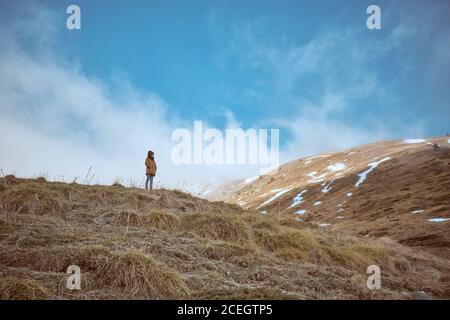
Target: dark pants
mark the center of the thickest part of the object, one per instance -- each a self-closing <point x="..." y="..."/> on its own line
<point x="149" y="179"/>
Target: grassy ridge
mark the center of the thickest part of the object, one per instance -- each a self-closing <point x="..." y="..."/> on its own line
<point x="167" y="245"/>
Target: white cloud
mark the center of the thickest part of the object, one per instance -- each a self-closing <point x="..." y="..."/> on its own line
<point x="57" y="121"/>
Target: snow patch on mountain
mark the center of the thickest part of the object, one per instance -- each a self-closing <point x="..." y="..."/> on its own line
<point x="438" y="219"/>
<point x="327" y="187"/>
<point x="276" y="196"/>
<point x="339" y="166"/>
<point x="315" y="178"/>
<point x="373" y="165"/>
<point x="412" y="141"/>
<point x="297" y="199"/>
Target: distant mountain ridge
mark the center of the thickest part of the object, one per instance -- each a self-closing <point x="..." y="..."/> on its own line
<point x="399" y="189"/>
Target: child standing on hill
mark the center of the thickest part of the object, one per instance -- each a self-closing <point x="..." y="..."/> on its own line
<point x="150" y="170"/>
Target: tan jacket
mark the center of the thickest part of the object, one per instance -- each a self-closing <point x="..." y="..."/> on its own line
<point x="150" y="165"/>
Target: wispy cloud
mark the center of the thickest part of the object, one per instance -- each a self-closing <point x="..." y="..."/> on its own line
<point x="328" y="90"/>
<point x="56" y="120"/>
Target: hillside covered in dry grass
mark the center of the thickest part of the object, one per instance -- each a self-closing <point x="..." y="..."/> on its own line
<point x="397" y="189"/>
<point x="168" y="245"/>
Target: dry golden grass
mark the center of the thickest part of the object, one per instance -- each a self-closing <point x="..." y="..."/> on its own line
<point x="33" y="199"/>
<point x="246" y="293"/>
<point x="138" y="274"/>
<point x="165" y="244"/>
<point x="152" y="219"/>
<point x="133" y="272"/>
<point x="12" y="288"/>
<point x="216" y="226"/>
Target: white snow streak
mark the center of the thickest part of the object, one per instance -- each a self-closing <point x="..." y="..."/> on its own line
<point x="336" y="167"/>
<point x="363" y="175"/>
<point x="438" y="219"/>
<point x="277" y="195"/>
<point x="412" y="141"/>
<point x="315" y="178"/>
<point x="297" y="199"/>
<point x="327" y="187"/>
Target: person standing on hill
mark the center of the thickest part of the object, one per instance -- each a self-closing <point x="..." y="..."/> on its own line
<point x="150" y="170"/>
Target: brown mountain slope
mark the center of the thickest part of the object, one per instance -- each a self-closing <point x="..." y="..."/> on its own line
<point x="404" y="193"/>
<point x="164" y="244"/>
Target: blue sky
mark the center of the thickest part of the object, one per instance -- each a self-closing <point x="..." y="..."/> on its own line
<point x="310" y="68"/>
<point x="195" y="55"/>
